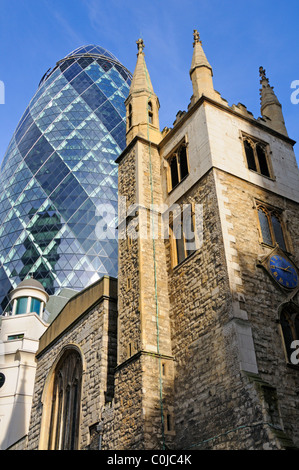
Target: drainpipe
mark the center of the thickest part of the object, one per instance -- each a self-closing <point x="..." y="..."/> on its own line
<point x="100" y="431"/>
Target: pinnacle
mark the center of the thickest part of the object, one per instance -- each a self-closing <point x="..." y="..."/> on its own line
<point x="199" y="58"/>
<point x="141" y="80"/>
<point x="267" y="92"/>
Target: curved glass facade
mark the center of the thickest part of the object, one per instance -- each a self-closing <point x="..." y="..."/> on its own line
<point x="59" y="167"/>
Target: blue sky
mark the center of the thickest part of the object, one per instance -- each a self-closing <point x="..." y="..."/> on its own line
<point x="238" y="37"/>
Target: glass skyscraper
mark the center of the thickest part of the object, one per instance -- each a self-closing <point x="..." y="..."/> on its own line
<point x="58" y="169"/>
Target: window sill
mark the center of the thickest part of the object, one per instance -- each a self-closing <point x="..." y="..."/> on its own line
<point x="270" y="178"/>
<point x="177" y="266"/>
<point x="177" y="185"/>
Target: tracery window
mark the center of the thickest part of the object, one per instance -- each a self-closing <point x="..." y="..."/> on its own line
<point x="271" y="226"/>
<point x="289" y="322"/>
<point x="178" y="166"/>
<point x="257" y="156"/>
<point x="65" y="412"/>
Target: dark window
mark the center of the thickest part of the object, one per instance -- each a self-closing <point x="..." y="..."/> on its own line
<point x="183" y="236"/>
<point x="250" y="156"/>
<point x="150" y="112"/>
<point x="256" y="156"/>
<point x="277" y="231"/>
<point x="183" y="162"/>
<point x="271" y="226"/>
<point x="179" y="168"/>
<point x="130" y="116"/>
<point x="174" y="172"/>
<point x="13" y="337"/>
<point x="262" y="159"/>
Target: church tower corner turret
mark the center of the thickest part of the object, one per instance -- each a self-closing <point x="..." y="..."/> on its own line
<point x="201" y="72"/>
<point x="142" y="104"/>
<point x="270" y="106"/>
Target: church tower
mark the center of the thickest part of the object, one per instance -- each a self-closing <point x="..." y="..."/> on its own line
<point x="144" y="373"/>
<point x="206" y="315"/>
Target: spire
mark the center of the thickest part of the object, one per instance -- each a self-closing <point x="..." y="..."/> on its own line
<point x="270" y="106"/>
<point x="142" y="104"/>
<point x="141" y="79"/>
<point x="201" y="72"/>
<point x="199" y="58"/>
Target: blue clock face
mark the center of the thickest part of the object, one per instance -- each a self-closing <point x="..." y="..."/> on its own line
<point x="283" y="272"/>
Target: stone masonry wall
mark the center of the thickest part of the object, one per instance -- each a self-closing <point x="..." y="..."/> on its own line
<point x="143" y="315"/>
<point x="261" y="296"/>
<point x="90" y="335"/>
<point x="215" y="404"/>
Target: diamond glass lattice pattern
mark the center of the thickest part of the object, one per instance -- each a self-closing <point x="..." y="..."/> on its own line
<point x="59" y="167"/>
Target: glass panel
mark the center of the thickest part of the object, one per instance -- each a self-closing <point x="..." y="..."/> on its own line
<point x="249" y="155"/>
<point x="35" y="306"/>
<point x="180" y="250"/>
<point x="183" y="162"/>
<point x="278" y="233"/>
<point x="94" y="97"/>
<point x="262" y="160"/>
<point x="264" y="224"/>
<point x="82" y="82"/>
<point x="174" y="172"/>
<point x="23" y="128"/>
<point x="72" y="71"/>
<point x="21" y="305"/>
<point x="108" y="115"/>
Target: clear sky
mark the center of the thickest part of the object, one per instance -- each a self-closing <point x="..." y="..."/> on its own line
<point x="238" y="36"/>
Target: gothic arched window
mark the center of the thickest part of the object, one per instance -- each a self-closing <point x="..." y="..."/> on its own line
<point x="257" y="156"/>
<point x="65" y="411"/>
<point x="178" y="166"/>
<point x="289" y="322"/>
<point x="271" y="226"/>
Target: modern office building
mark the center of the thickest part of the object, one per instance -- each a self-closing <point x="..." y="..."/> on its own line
<point x="59" y="169"/>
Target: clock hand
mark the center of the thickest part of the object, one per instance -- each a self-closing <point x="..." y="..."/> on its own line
<point x="284" y="269"/>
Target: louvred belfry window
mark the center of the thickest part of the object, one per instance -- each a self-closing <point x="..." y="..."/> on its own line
<point x="257" y="156"/>
<point x="178" y="166"/>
